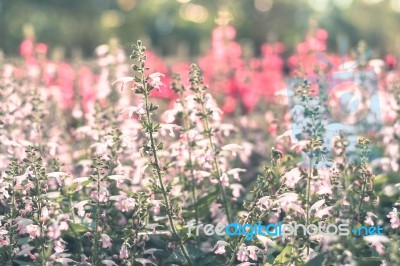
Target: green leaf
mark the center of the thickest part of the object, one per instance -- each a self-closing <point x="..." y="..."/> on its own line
<point x="284" y="256"/>
<point x="26" y="263"/>
<point x="317" y="260"/>
<point x="203" y="204"/>
<point x="23" y="240"/>
<point x="79" y="228"/>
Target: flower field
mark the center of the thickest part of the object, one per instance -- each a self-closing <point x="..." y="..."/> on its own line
<point x="114" y="160"/>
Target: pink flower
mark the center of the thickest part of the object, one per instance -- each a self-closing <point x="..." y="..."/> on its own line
<point x="394" y="218"/>
<point x="292" y="177"/>
<point x="22" y="224"/>
<point x="235" y="172"/>
<point x="33" y="230"/>
<point x="289" y="201"/>
<point x="236" y="190"/>
<point x="156" y="80"/>
<point x="106" y="241"/>
<point x="79" y="206"/>
<point x="376" y="242"/>
<point x="119" y="179"/>
<point x="123" y="253"/>
<point x="253" y="252"/>
<point x="123" y="81"/>
<point x="242" y="254"/>
<point x="224" y="179"/>
<point x="139" y="110"/>
<point x="369" y="220"/>
<point x="124" y="203"/>
<point x="220" y="247"/>
<point x="59" y="245"/>
<point x="80" y="181"/>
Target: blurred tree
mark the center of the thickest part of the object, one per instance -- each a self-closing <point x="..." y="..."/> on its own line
<point x="173" y="24"/>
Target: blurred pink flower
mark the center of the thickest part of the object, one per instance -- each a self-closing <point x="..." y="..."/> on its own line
<point x="124" y="253"/>
<point x="394" y="218"/>
<point x="106" y="241"/>
<point x="242" y="254"/>
<point x="156" y="80"/>
<point x="220" y="247"/>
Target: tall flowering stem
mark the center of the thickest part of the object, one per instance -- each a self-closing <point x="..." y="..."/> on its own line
<point x="13" y="171"/>
<point x="198" y="87"/>
<point x="265" y="183"/>
<point x="99" y="169"/>
<point x="314" y="129"/>
<point x="178" y="88"/>
<point x="144" y="87"/>
<point x="39" y="178"/>
<point x="366" y="177"/>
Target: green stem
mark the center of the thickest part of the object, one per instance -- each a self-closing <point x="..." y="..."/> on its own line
<point x="41" y="239"/>
<point x="362" y="198"/>
<point x="156" y="165"/>
<point x="216" y="163"/>
<point x="96" y="236"/>
<point x="308" y="197"/>
<point x="78" y="238"/>
<point x="193" y="180"/>
<point x="242" y="238"/>
<point x="13" y="212"/>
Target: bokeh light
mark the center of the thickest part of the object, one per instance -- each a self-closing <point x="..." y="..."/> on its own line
<point x="343" y="4"/>
<point x="395" y="5"/>
<point x="126" y="5"/>
<point x="263" y="5"/>
<point x="319" y="5"/>
<point x="112" y="19"/>
<point x="194" y="13"/>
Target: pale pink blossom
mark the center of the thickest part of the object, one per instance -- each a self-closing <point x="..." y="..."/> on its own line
<point x="156" y="80"/>
<point x="124" y="253"/>
<point x="119" y="179"/>
<point x="123" y="81"/>
<point x="253" y="250"/>
<point x="22" y="224"/>
<point x="33" y="230"/>
<point x="376" y="242"/>
<point x="124" y="203"/>
<point x="25" y="250"/>
<point x="264" y="203"/>
<point x="369" y="217"/>
<point x="233" y="148"/>
<point x="292" y="177"/>
<point x="106" y="241"/>
<point x="79" y="206"/>
<point x="289" y="201"/>
<point x="59" y="245"/>
<point x="235" y="173"/>
<point x="145" y="262"/>
<point x="242" y="254"/>
<point x="236" y="190"/>
<point x="224" y="179"/>
<point x="151" y="251"/>
<point x="79" y="181"/>
<point x="394" y="218"/>
<point x="169" y="128"/>
<point x="139" y="110"/>
<point x="220" y="247"/>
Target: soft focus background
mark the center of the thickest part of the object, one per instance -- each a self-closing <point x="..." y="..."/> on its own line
<point x="183" y="27"/>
